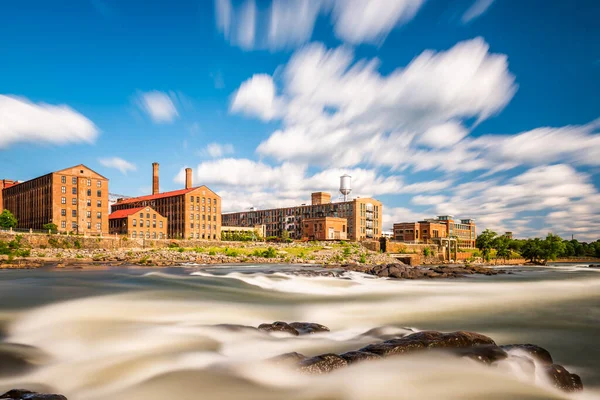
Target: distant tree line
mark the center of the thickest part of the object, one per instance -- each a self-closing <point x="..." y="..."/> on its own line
<point x="535" y="250"/>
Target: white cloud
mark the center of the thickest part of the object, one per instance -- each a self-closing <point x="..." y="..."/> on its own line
<point x="428" y="200"/>
<point x="25" y="121"/>
<point x="393" y="215"/>
<point x="118" y="163"/>
<point x="216" y="150"/>
<point x="443" y="135"/>
<point x="159" y="106"/>
<point x="291" y="22"/>
<point x="478" y="8"/>
<point x="257" y="97"/>
<point x="358" y="21"/>
<point x="341" y="113"/>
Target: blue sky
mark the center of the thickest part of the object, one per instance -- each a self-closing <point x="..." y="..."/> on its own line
<point x="477" y="108"/>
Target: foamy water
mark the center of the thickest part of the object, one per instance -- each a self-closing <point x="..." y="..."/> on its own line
<point x="133" y="334"/>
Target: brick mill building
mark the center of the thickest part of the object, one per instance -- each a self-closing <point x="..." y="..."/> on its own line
<point x="431" y="230"/>
<point x="363" y="216"/>
<point x="141" y="222"/>
<point x="75" y="199"/>
<point x="191" y="213"/>
<point x="325" y="228"/>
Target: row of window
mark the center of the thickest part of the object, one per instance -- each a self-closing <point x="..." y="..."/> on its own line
<point x="63" y="200"/>
<point x="214" y="209"/>
<point x="63" y="190"/>
<point x="160" y="223"/>
<point x="214" y="218"/>
<point x="63" y="179"/>
<point x="134" y="235"/>
<point x="203" y="200"/>
<point x="63" y="212"/>
<point x="63" y="224"/>
<point x="204" y="236"/>
<point x="203" y="226"/>
<point x="147" y="215"/>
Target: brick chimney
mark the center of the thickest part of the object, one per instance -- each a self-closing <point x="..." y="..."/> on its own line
<point x="155" y="188"/>
<point x="188" y="178"/>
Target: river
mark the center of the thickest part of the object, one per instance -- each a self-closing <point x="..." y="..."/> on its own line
<point x="141" y="333"/>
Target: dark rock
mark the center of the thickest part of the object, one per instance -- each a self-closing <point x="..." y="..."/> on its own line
<point x="353" y="357"/>
<point x="21" y="394"/>
<point x="562" y="379"/>
<point x="594" y="266"/>
<point x="322" y="364"/>
<point x="486" y="354"/>
<point x="288" y="358"/>
<point x="307" y="328"/>
<point x="278" y="326"/>
<point x="428" y="339"/>
<point x="536" y="352"/>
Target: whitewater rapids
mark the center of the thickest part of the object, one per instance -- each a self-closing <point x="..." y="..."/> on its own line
<point x="134" y="334"/>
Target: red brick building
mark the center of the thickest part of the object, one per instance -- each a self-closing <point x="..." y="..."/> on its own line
<point x="325" y="228"/>
<point x="444" y="226"/>
<point x="141" y="222"/>
<point x="191" y="213"/>
<point x="75" y="199"/>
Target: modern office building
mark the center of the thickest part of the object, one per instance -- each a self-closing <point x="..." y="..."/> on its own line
<point x="75" y="199"/>
<point x="363" y="215"/>
<point x="192" y="212"/>
<point x="430" y="230"/>
<point x="141" y="222"/>
<point x="325" y="228"/>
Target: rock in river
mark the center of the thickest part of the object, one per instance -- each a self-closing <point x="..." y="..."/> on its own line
<point x="278" y="326"/>
<point x="21" y="394"/>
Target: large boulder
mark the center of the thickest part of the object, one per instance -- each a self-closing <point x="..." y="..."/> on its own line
<point x="322" y="364"/>
<point x="308" y="328"/>
<point x="486" y="354"/>
<point x="562" y="379"/>
<point x="538" y="353"/>
<point x="22" y="394"/>
<point x="353" y="357"/>
<point x="278" y="326"/>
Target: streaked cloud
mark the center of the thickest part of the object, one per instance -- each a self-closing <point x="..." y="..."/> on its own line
<point x="217" y="150"/>
<point x="118" y="163"/>
<point x="23" y="121"/>
<point x="159" y="106"/>
<point x="477" y="9"/>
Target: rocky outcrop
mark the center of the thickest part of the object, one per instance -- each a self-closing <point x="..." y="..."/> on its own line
<point x="471" y="345"/>
<point x="21" y="394"/>
<point x="308" y="328"/>
<point x="322" y="364"/>
<point x="278" y="326"/>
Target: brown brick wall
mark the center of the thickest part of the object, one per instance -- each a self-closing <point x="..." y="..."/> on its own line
<point x="325" y="228"/>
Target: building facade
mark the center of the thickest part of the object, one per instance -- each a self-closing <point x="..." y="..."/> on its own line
<point x="430" y="230"/>
<point x="363" y="215"/>
<point x="259" y="231"/>
<point x="141" y="222"/>
<point x="324" y="228"/>
<point x="75" y="199"/>
<point x="191" y="213"/>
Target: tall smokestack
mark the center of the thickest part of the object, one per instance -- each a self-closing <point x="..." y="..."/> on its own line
<point x="188" y="178"/>
<point x="155" y="189"/>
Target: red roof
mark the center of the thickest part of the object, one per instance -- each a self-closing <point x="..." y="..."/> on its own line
<point x="156" y="196"/>
<point x="125" y="213"/>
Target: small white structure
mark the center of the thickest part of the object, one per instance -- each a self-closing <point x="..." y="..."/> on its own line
<point x="345" y="185"/>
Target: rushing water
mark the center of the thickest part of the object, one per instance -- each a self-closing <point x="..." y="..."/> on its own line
<point x="141" y="334"/>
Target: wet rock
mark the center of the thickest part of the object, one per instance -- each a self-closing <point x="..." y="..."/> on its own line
<point x="21" y="394"/>
<point x="308" y="328"/>
<point x="426" y="340"/>
<point x="322" y="364"/>
<point x="536" y="352"/>
<point x="288" y="358"/>
<point x="353" y="357"/>
<point x="594" y="266"/>
<point x="278" y="326"/>
<point x="486" y="354"/>
<point x="562" y="379"/>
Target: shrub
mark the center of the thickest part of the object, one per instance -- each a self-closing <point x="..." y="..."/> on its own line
<point x="77" y="244"/>
<point x="181" y="249"/>
<point x="173" y="245"/>
<point x="231" y="252"/>
<point x="363" y="258"/>
<point x="268" y="253"/>
<point x="199" y="249"/>
<point x="52" y="228"/>
<point x="346" y="251"/>
<point x="212" y="253"/>
<point x="426" y="251"/>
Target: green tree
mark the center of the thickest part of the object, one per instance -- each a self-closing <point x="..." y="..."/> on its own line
<point x="7" y="220"/>
<point x="532" y="250"/>
<point x="501" y="244"/>
<point x="485" y="243"/>
<point x="53" y="228"/>
<point x="551" y="248"/>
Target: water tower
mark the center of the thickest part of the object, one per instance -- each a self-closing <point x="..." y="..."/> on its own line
<point x="345" y="185"/>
